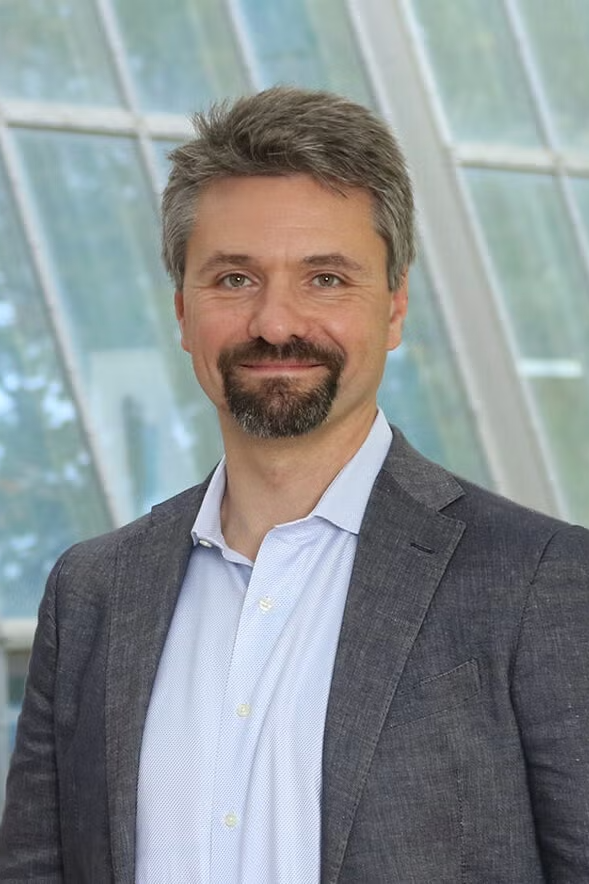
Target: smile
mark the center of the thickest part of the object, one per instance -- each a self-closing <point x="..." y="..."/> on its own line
<point x="280" y="367"/>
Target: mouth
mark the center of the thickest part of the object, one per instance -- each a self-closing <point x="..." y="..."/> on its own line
<point x="293" y="361"/>
<point x="283" y="367"/>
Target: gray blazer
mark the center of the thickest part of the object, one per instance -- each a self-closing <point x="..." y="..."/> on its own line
<point x="456" y="745"/>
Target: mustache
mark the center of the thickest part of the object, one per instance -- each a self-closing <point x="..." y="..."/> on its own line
<point x="260" y="350"/>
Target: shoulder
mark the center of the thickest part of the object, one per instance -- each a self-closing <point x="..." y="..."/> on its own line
<point x="495" y="527"/>
<point x="181" y="506"/>
<point x="490" y="515"/>
<point x="90" y="565"/>
<point x="516" y="540"/>
<point x="480" y="506"/>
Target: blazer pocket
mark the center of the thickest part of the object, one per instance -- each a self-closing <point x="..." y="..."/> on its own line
<point x="435" y="694"/>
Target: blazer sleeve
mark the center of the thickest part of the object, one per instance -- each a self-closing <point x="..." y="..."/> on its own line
<point x="30" y="848"/>
<point x="550" y="691"/>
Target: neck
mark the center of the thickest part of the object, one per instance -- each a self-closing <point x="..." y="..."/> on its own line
<point x="273" y="481"/>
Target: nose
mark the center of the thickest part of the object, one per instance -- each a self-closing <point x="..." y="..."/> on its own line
<point x="278" y="314"/>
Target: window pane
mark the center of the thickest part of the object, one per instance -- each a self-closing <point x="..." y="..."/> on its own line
<point x="547" y="298"/>
<point x="560" y="37"/>
<point x="581" y="191"/>
<point x="49" y="496"/>
<point x="46" y="53"/>
<point x="308" y="43"/>
<point x="182" y="53"/>
<point x="153" y="422"/>
<point x="422" y="391"/>
<point x="477" y="71"/>
<point x="532" y="245"/>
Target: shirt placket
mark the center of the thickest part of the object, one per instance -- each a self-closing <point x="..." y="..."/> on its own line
<point x="267" y="606"/>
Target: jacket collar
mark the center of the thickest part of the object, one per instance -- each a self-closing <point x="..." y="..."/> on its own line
<point x="150" y="569"/>
<point x="404" y="547"/>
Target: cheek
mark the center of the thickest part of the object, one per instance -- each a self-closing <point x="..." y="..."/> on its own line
<point x="213" y="333"/>
<point x="205" y="329"/>
<point x="363" y="340"/>
<point x="366" y="348"/>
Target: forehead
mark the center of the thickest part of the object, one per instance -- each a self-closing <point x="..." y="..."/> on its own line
<point x="292" y="215"/>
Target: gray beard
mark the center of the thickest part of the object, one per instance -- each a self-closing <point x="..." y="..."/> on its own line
<point x="277" y="409"/>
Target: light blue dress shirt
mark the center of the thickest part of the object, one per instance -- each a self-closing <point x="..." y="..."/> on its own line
<point x="230" y="769"/>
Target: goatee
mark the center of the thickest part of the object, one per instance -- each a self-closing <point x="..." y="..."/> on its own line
<point x="278" y="407"/>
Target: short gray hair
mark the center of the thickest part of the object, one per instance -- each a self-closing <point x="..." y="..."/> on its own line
<point x="287" y="131"/>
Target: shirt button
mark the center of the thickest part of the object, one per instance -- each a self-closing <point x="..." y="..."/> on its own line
<point x="206" y="544"/>
<point x="266" y="604"/>
<point x="243" y="710"/>
<point x="230" y="820"/>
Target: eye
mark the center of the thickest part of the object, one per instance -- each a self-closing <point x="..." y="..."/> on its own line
<point x="235" y="281"/>
<point x="327" y="280"/>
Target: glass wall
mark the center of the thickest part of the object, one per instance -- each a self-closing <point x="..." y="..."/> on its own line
<point x="422" y="391"/>
<point x="50" y="493"/>
<point x="511" y="83"/>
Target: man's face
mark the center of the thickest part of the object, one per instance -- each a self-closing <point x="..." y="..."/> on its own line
<point x="286" y="309"/>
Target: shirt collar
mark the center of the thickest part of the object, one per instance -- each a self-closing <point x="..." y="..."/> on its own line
<point x="343" y="502"/>
<point x="207" y="525"/>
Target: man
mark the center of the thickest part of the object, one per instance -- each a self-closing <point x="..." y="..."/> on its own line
<point x="333" y="661"/>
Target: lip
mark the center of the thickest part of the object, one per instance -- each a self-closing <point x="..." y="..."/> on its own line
<point x="280" y="367"/>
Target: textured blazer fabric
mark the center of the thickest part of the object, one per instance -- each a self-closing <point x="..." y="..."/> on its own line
<point x="456" y="746"/>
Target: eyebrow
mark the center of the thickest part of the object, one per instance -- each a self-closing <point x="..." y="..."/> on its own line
<point x="224" y="259"/>
<point x="332" y="259"/>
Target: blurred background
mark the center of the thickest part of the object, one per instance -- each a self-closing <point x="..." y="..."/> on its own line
<point x="100" y="416"/>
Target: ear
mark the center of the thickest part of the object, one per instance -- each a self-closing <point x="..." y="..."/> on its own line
<point x="181" y="317"/>
<point x="398" y="312"/>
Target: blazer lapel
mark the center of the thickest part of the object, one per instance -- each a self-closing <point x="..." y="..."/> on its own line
<point x="150" y="571"/>
<point x="404" y="547"/>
